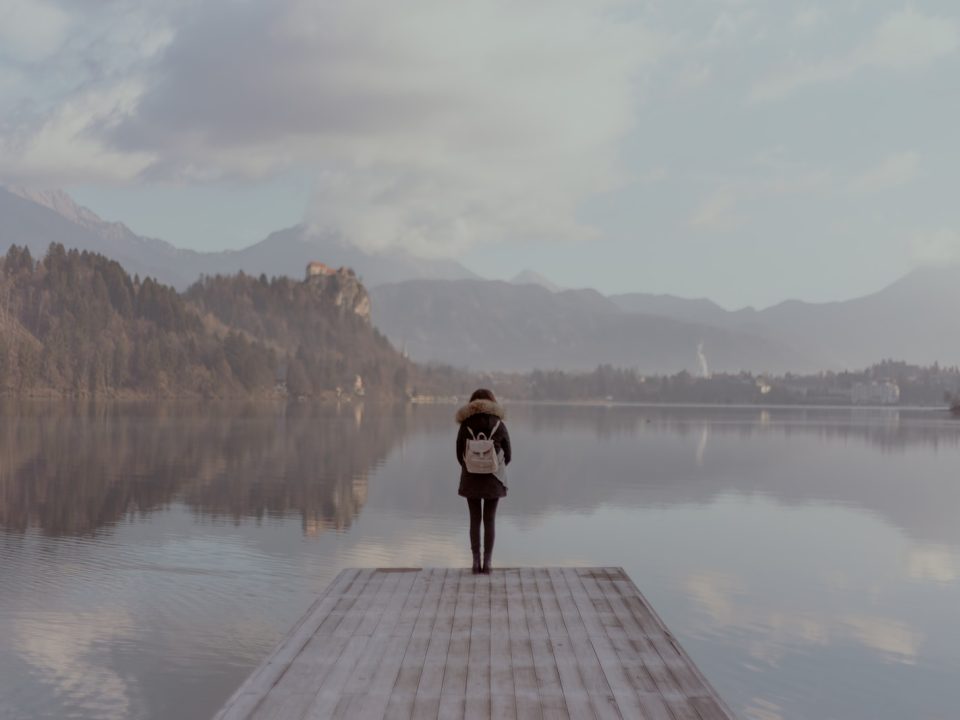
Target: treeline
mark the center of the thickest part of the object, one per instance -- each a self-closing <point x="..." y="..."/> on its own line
<point x="917" y="385"/>
<point x="76" y="323"/>
<point x="607" y="382"/>
<point x="616" y="384"/>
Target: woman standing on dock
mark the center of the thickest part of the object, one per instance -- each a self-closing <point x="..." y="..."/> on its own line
<point x="483" y="451"/>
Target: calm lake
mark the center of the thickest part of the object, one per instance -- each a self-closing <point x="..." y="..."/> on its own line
<point x="151" y="555"/>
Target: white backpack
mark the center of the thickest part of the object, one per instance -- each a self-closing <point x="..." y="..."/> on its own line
<point x="481" y="456"/>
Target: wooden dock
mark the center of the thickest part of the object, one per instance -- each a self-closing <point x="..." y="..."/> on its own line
<point x="443" y="643"/>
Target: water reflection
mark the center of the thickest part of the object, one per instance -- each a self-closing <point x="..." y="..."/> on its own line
<point x="887" y="429"/>
<point x="72" y="470"/>
<point x="880" y="461"/>
<point x="897" y="465"/>
<point x="152" y="554"/>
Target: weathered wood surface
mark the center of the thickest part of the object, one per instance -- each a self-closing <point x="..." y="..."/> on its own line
<point x="520" y="643"/>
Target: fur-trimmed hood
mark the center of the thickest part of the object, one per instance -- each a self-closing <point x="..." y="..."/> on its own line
<point x="479" y="406"/>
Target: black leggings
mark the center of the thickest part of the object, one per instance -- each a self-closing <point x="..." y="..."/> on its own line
<point x="489" y="515"/>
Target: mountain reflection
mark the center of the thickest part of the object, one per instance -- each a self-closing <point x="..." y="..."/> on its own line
<point x="70" y="470"/>
<point x="75" y="469"/>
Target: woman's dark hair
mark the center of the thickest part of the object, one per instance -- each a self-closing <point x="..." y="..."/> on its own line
<point x="482" y="394"/>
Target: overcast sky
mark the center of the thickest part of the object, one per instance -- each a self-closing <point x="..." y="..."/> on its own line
<point x="744" y="151"/>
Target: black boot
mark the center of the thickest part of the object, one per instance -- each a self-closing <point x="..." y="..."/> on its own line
<point x="476" y="562"/>
<point x="486" y="561"/>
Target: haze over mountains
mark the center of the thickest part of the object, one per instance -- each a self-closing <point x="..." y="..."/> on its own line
<point x="492" y="325"/>
<point x="438" y="310"/>
<point x="914" y="319"/>
<point x="38" y="218"/>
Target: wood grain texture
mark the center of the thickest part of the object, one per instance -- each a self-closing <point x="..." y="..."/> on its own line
<point x="519" y="644"/>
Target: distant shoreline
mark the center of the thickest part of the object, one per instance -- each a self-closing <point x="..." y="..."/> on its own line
<point x="743" y="406"/>
<point x="282" y="401"/>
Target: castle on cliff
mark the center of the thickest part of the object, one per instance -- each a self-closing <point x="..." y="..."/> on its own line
<point x="315" y="268"/>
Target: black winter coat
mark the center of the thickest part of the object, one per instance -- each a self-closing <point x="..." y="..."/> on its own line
<point x="481" y="416"/>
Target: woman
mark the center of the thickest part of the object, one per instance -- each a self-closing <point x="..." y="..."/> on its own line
<point x="482" y="490"/>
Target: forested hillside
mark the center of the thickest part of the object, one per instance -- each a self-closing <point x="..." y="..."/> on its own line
<point x="320" y="328"/>
<point x="75" y="323"/>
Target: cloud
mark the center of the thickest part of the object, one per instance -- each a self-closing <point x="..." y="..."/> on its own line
<point x="732" y="25"/>
<point x="31" y="30"/>
<point x="808" y="17"/>
<point x="762" y="709"/>
<point x="716" y="593"/>
<point x="64" y="146"/>
<point x="731" y="603"/>
<point x="437" y="125"/>
<point x="935" y="563"/>
<point x="61" y="649"/>
<point x="895" y="170"/>
<point x="85" y="75"/>
<point x="694" y="76"/>
<point x="717" y="212"/>
<point x="936" y="247"/>
<point x="891" y="638"/>
<point x="908" y="39"/>
<point x="741" y="194"/>
<point x="11" y="80"/>
<point x="904" y="40"/>
<point x="431" y="124"/>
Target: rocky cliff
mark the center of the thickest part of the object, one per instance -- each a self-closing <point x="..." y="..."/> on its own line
<point x="343" y="290"/>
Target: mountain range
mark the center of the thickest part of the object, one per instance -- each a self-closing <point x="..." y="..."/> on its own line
<point x="492" y="325"/>
<point x="912" y="319"/>
<point x="438" y="310"/>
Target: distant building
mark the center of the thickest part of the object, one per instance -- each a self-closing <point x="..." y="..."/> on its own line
<point x="875" y="393"/>
<point x="318" y="268"/>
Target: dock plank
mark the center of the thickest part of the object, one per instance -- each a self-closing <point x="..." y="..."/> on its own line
<point x="373" y="684"/>
<point x="503" y="702"/>
<point x="356" y="625"/>
<point x="519" y="644"/>
<point x="650" y="702"/>
<point x="426" y="702"/>
<point x="526" y="690"/>
<point x="591" y="671"/>
<point x="571" y="677"/>
<point x="400" y="705"/>
<point x="478" y="656"/>
<point x="552" y="700"/>
<point x="453" y="692"/>
<point x="620" y="685"/>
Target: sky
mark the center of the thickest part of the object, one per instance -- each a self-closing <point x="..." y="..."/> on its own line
<point x="740" y="150"/>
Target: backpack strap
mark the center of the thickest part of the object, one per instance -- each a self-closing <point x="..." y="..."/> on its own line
<point x="485" y="436"/>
